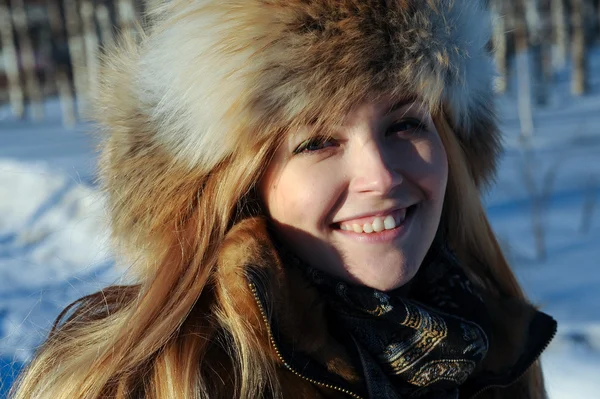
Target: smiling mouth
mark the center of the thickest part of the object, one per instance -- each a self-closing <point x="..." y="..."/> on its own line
<point x="377" y="224"/>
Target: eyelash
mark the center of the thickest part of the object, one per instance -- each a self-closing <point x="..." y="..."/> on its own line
<point x="418" y="126"/>
<point x="319" y="141"/>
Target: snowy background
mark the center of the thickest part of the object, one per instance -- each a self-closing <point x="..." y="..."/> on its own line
<point x="54" y="243"/>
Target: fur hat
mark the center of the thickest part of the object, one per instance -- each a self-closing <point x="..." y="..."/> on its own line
<point x="209" y="76"/>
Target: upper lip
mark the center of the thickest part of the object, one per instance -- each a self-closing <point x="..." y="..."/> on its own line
<point x="373" y="214"/>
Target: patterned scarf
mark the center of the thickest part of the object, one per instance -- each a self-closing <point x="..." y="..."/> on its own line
<point x="422" y="340"/>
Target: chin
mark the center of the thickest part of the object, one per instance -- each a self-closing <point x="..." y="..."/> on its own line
<point x="387" y="285"/>
<point x="389" y="279"/>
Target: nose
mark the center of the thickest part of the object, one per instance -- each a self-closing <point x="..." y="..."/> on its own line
<point x="373" y="171"/>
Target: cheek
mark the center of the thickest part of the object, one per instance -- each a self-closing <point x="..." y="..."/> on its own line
<point x="424" y="163"/>
<point x="282" y="200"/>
<point x="438" y="169"/>
<point x="300" y="197"/>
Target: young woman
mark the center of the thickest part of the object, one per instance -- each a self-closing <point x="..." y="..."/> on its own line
<point x="296" y="187"/>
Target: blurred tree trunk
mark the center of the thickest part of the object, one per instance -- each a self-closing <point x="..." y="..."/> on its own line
<point x="560" y="34"/>
<point x="103" y="17"/>
<point x="526" y="30"/>
<point x="61" y="66"/>
<point x="76" y="50"/>
<point x="126" y="16"/>
<point x="11" y="62"/>
<point x="523" y="69"/>
<point x="91" y="45"/>
<point x="533" y="18"/>
<point x="28" y="63"/>
<point x="43" y="38"/>
<point x="579" y="78"/>
<point x="547" y="67"/>
<point x="500" y="43"/>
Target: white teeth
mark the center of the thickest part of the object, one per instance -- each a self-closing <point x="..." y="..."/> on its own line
<point x="389" y="222"/>
<point x="378" y="225"/>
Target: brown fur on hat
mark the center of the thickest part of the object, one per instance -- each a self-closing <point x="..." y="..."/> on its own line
<point x="210" y="76"/>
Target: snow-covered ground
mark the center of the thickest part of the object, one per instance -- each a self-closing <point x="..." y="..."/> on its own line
<point x="556" y="180"/>
<point x="53" y="236"/>
<point x="54" y="243"/>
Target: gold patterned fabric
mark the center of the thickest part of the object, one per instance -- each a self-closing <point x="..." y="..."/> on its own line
<point x="422" y="340"/>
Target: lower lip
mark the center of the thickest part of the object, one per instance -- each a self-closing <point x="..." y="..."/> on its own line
<point x="385" y="235"/>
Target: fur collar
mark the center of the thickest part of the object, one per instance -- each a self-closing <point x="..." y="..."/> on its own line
<point x="267" y="296"/>
<point x="289" y="318"/>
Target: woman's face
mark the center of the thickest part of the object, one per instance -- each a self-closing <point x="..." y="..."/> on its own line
<point x="365" y="204"/>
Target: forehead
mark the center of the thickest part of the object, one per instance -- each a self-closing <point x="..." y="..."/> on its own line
<point x="379" y="107"/>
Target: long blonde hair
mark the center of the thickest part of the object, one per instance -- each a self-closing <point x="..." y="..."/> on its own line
<point x="151" y="339"/>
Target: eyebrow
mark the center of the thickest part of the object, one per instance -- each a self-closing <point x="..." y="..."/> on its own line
<point x="399" y="104"/>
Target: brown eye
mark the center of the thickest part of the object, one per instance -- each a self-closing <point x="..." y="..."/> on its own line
<point x="315" y="144"/>
<point x="409" y="125"/>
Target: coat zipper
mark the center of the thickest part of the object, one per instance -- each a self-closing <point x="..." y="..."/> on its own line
<point x="280" y="356"/>
<point x="352" y="394"/>
<point x="521" y="375"/>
